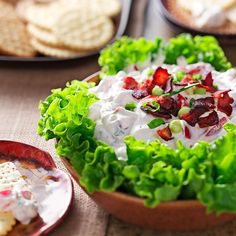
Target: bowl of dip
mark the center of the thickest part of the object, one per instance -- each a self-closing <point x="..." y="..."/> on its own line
<point x="117" y="91"/>
<point x="152" y="138"/>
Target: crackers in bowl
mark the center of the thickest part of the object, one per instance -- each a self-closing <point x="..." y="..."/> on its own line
<point x="57" y="28"/>
<point x="14" y="38"/>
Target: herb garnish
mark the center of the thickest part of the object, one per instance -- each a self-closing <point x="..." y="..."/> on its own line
<point x="130" y="106"/>
<point x="152" y="106"/>
<point x="155" y="123"/>
<point x="180" y="90"/>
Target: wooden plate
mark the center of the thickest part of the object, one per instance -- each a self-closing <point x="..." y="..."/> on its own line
<point x="56" y="195"/>
<point x="180" y="215"/>
<point x="182" y="19"/>
<point x="120" y="25"/>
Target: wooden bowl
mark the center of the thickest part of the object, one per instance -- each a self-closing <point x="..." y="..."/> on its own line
<point x="180" y="215"/>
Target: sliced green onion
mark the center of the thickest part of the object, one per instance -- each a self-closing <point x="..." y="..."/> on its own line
<point x="197" y="77"/>
<point x="155" y="123"/>
<point x="152" y="106"/>
<point x="183" y="110"/>
<point x="215" y="86"/>
<point x="201" y="91"/>
<point x="130" y="106"/>
<point x="157" y="90"/>
<point x="179" y="76"/>
<point x="175" y="126"/>
<point x="180" y="90"/>
<point x="150" y="72"/>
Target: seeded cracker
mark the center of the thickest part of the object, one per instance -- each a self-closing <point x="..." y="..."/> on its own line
<point x="82" y="31"/>
<point x="109" y="8"/>
<point x="22" y="8"/>
<point x="44" y="15"/>
<point x="14" y="39"/>
<point x="51" y="51"/>
<point x="43" y="35"/>
<point x="7" y="11"/>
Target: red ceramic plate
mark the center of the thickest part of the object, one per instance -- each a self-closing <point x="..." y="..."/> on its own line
<point x="52" y="188"/>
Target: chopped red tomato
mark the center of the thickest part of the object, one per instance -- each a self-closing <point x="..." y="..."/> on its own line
<point x="165" y="133"/>
<point x="130" y="83"/>
<point x="147" y="85"/>
<point x="187" y="133"/>
<point x="160" y="77"/>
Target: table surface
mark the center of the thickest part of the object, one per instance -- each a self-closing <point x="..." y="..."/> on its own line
<point x="21" y="88"/>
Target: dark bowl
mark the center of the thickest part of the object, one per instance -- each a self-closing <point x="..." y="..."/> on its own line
<point x="120" y="22"/>
<point x="181" y="19"/>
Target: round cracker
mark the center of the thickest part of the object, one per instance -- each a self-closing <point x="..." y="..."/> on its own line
<point x="43" y="35"/>
<point x="44" y="15"/>
<point x="110" y="8"/>
<point x="14" y="38"/>
<point x="78" y="29"/>
<point x="57" y="52"/>
<point x="7" y="221"/>
<point x="22" y="8"/>
<point x="7" y="11"/>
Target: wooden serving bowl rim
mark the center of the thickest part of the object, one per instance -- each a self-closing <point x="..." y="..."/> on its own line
<point x="127" y="197"/>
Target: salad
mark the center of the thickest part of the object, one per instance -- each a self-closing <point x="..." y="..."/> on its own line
<point x="159" y="125"/>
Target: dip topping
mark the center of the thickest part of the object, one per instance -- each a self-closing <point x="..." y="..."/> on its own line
<point x="189" y="103"/>
<point x="162" y="102"/>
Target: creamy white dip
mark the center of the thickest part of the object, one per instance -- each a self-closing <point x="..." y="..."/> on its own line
<point x="114" y="122"/>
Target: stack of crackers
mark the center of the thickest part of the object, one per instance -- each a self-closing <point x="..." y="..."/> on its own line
<point x="14" y="38"/>
<point x="56" y="28"/>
